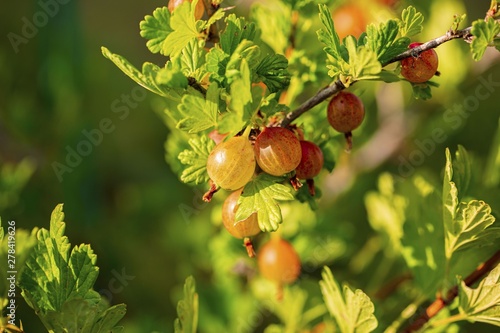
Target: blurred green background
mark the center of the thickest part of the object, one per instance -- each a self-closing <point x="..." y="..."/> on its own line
<point x="123" y="198"/>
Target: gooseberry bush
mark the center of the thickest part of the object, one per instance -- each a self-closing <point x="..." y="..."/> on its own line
<point x="243" y="100"/>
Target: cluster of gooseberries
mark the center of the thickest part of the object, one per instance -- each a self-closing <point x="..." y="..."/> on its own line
<point x="279" y="151"/>
<point x="276" y="151"/>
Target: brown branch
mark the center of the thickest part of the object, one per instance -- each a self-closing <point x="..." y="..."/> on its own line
<point x="436" y="306"/>
<point x="337" y="86"/>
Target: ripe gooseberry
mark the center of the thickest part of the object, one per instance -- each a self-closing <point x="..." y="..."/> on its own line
<point x="231" y="164"/>
<point x="349" y="20"/>
<point x="345" y="113"/>
<point x="279" y="262"/>
<point x="311" y="163"/>
<point x="421" y="68"/>
<point x="277" y="151"/>
<point x="239" y="229"/>
<point x="198" y="12"/>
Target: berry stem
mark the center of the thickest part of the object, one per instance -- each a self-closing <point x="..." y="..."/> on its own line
<point x="348" y="139"/>
<point x="207" y="197"/>
<point x="249" y="246"/>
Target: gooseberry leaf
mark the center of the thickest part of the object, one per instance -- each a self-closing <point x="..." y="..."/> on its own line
<point x="240" y="106"/>
<point x="329" y="37"/>
<point x="218" y="15"/>
<point x="482" y="304"/>
<point x="237" y="30"/>
<point x="274" y="19"/>
<point x="260" y="195"/>
<point x="462" y="173"/>
<point x="155" y="29"/>
<point x="199" y="113"/>
<point x="57" y="283"/>
<point x="382" y="40"/>
<point x="187" y="309"/>
<point x="422" y="90"/>
<point x="272" y="70"/>
<point x="192" y="59"/>
<point x="146" y="78"/>
<point x="468" y="227"/>
<point x="484" y="32"/>
<point x="492" y="172"/>
<point x="216" y="62"/>
<point x="363" y="62"/>
<point x="184" y="28"/>
<point x="411" y="22"/>
<point x="351" y="309"/>
<point x="196" y="160"/>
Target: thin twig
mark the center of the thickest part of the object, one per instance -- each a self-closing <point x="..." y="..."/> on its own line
<point x="436" y="306"/>
<point x="337" y="86"/>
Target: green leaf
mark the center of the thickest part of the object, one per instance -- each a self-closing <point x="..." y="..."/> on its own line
<point x="386" y="213"/>
<point x="216" y="61"/>
<point x="187" y="309"/>
<point x="260" y="196"/>
<point x="274" y="19"/>
<point x="146" y="78"/>
<point x="83" y="316"/>
<point x="492" y="172"/>
<point x="196" y="160"/>
<point x="56" y="283"/>
<point x="184" y="29"/>
<point x="192" y="58"/>
<point x="382" y="40"/>
<point x="155" y="29"/>
<point x="468" y="227"/>
<point x="351" y="309"/>
<point x="462" y="171"/>
<point x="218" y="15"/>
<point x="484" y="33"/>
<point x="172" y="77"/>
<point x="450" y="195"/>
<point x="482" y="304"/>
<point x="411" y="22"/>
<point x="423" y="234"/>
<point x="330" y="38"/>
<point x="237" y="30"/>
<point x="246" y="51"/>
<point x="272" y="70"/>
<point x="422" y="91"/>
<point x="240" y="106"/>
<point x="198" y="113"/>
<point x="363" y="62"/>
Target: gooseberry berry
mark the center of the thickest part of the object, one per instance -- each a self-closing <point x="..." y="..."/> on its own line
<point x="279" y="262"/>
<point x="198" y="12"/>
<point x="345" y="113"/>
<point x="231" y="164"/>
<point x="349" y="20"/>
<point x="277" y="151"/>
<point x="420" y="68"/>
<point x="311" y="162"/>
<point x="239" y="229"/>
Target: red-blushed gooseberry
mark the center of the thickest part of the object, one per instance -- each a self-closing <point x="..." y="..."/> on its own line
<point x="421" y="68"/>
<point x="277" y="150"/>
<point x="345" y="113"/>
<point x="311" y="162"/>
